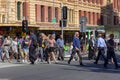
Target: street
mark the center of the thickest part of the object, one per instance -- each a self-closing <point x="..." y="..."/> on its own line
<point x="60" y="71"/>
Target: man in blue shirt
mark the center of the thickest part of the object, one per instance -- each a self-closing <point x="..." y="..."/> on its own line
<point x="60" y="43"/>
<point x="101" y="45"/>
<point x="76" y="48"/>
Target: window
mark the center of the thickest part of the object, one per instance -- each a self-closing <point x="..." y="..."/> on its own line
<point x="42" y="13"/>
<point x="102" y="19"/>
<point x="56" y="14"/>
<point x="18" y="10"/>
<point x="3" y="18"/>
<point x="49" y="14"/>
<point x="71" y="15"/>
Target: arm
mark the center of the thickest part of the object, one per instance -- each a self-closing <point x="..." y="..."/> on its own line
<point x="30" y="41"/>
<point x="98" y="43"/>
<point x="74" y="44"/>
<point x="109" y="45"/>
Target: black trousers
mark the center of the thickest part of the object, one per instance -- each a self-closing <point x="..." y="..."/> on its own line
<point x="101" y="52"/>
<point x="32" y="56"/>
<point x="74" y="51"/>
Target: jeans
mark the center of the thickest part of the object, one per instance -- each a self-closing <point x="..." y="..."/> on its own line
<point x="41" y="52"/>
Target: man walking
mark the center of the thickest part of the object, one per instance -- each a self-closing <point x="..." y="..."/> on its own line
<point x="60" y="43"/>
<point x="32" y="47"/>
<point x="111" y="51"/>
<point x="101" y="45"/>
<point x="76" y="48"/>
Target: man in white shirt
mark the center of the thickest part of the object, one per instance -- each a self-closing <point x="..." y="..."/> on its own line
<point x="101" y="45"/>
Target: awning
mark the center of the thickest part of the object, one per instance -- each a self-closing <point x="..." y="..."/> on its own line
<point x="100" y="29"/>
<point x="95" y="27"/>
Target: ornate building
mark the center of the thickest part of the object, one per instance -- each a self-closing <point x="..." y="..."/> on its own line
<point x="45" y="15"/>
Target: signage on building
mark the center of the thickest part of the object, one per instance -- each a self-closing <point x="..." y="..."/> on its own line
<point x="53" y="20"/>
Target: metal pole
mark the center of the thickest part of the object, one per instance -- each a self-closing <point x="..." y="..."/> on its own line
<point x="62" y="31"/>
<point x="62" y="28"/>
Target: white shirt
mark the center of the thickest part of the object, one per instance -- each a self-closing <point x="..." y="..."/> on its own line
<point x="93" y="42"/>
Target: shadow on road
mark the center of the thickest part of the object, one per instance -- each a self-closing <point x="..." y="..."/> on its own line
<point x="90" y="67"/>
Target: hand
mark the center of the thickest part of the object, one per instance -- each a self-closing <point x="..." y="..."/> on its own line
<point x="91" y="47"/>
<point x="76" y="48"/>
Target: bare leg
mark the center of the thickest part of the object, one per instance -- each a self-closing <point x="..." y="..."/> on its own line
<point x="53" y="56"/>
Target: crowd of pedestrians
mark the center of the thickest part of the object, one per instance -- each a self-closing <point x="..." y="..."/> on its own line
<point x="46" y="48"/>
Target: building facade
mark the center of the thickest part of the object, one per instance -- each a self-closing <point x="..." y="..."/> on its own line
<point x="44" y="15"/>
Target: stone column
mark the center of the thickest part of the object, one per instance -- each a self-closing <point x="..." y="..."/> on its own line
<point x="26" y="10"/>
<point x="91" y="18"/>
<point x="46" y="13"/>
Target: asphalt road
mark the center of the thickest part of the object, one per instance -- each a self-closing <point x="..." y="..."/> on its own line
<point x="60" y="71"/>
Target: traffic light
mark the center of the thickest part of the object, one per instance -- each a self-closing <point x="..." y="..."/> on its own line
<point x="64" y="12"/>
<point x="25" y="26"/>
<point x="64" y="23"/>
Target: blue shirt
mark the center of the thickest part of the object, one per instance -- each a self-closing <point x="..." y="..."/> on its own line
<point x="76" y="42"/>
<point x="101" y="42"/>
<point x="60" y="42"/>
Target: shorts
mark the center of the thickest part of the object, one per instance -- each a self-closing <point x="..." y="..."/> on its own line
<point x="15" y="50"/>
<point x="25" y="50"/>
<point x="51" y="49"/>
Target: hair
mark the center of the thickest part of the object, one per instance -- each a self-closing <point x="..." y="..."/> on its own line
<point x="111" y="35"/>
<point x="32" y="31"/>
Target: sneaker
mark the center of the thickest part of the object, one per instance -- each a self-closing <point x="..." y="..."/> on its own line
<point x="23" y="61"/>
<point x="26" y="61"/>
<point x="36" y="61"/>
<point x="49" y="62"/>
